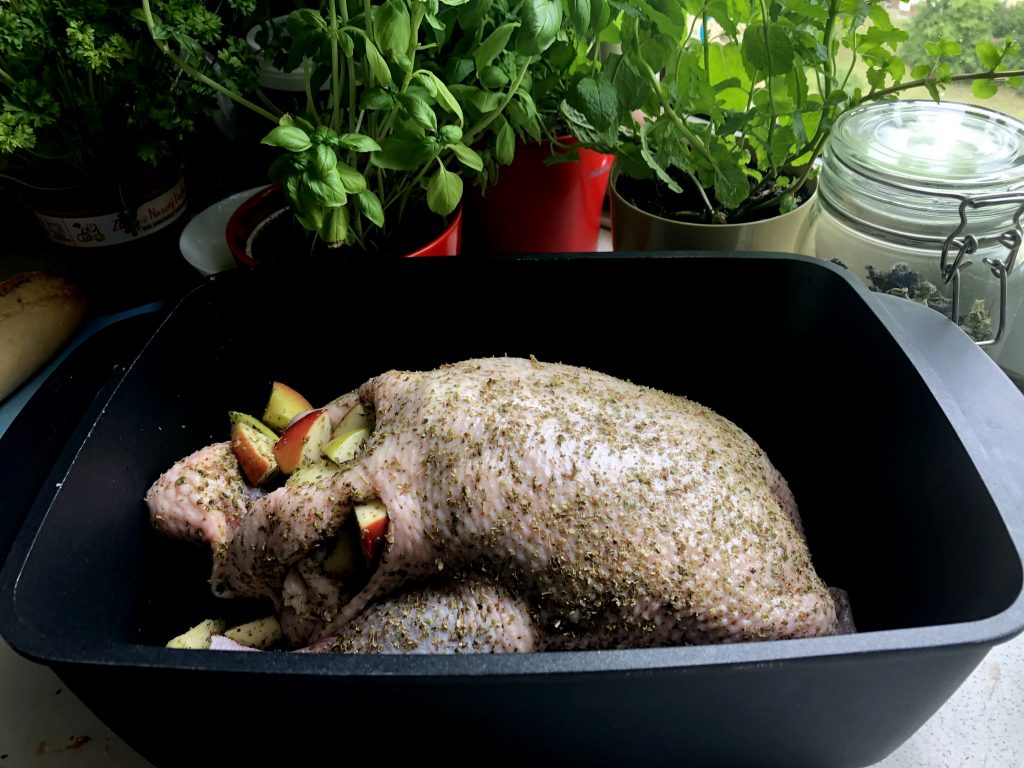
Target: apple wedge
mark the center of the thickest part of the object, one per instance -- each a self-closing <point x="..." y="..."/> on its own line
<point x="373" y="527"/>
<point x="283" y="405"/>
<point x="260" y="634"/>
<point x="255" y="453"/>
<point x="199" y="636"/>
<point x="359" y="417"/>
<point x="237" y="417"/>
<point x="307" y="474"/>
<point x="302" y="442"/>
<point x="345" y="446"/>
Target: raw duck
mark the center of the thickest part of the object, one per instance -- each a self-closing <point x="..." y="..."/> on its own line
<point x="587" y="511"/>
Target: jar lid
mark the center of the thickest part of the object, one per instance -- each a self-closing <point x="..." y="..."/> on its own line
<point x="949" y="147"/>
<point x="902" y="168"/>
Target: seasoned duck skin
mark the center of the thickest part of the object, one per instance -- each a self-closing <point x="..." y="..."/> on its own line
<point x="471" y="616"/>
<point x="624" y="516"/>
<point x="201" y="498"/>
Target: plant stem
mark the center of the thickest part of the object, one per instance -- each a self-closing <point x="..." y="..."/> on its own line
<point x="690" y="136"/>
<point x="706" y="45"/>
<point x="332" y="6"/>
<point x="700" y="187"/>
<point x="875" y="95"/>
<point x="351" y="67"/>
<point x="771" y="92"/>
<point x="472" y="134"/>
<point x="830" y="23"/>
<point x="191" y="71"/>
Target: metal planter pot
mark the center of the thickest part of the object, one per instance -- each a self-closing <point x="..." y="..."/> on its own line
<point x="634" y="229"/>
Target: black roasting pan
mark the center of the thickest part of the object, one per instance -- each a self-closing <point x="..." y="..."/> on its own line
<point x="901" y="440"/>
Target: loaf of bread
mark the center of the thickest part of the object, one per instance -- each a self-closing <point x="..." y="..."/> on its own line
<point x="38" y="313"/>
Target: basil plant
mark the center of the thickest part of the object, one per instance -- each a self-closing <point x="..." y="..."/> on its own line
<point x="396" y="127"/>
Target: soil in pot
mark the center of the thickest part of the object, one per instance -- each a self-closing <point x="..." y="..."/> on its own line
<point x="654" y="197"/>
<point x="280" y="238"/>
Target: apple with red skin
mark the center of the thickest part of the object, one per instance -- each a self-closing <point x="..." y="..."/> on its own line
<point x="302" y="442"/>
<point x="235" y="416"/>
<point x="373" y="527"/>
<point x="255" y="453"/>
<point x="283" y="405"/>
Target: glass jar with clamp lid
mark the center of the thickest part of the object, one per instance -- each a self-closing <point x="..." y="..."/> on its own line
<point x="925" y="201"/>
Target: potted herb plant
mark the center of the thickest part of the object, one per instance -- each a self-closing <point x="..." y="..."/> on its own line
<point x="717" y="111"/>
<point x="93" y="119"/>
<point x="550" y="197"/>
<point x="374" y="164"/>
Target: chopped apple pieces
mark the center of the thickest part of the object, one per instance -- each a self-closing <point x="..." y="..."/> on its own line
<point x="255" y="635"/>
<point x="199" y="636"/>
<point x="349" y="434"/>
<point x="302" y="442"/>
<point x="237" y="417"/>
<point x="255" y="453"/>
<point x="345" y="446"/>
<point x="311" y="473"/>
<point x="283" y="405"/>
<point x="373" y="527"/>
<point x="296" y="440"/>
<point x="260" y="634"/>
<point x="360" y="417"/>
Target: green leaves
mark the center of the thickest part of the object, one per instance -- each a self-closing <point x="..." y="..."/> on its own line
<point x="468" y="157"/>
<point x="441" y="92"/>
<point x="392" y="27"/>
<point x="369" y="205"/>
<point x="376" y="62"/>
<point x="984" y="89"/>
<point x="767" y="48"/>
<point x="334" y="229"/>
<point x="989" y="56"/>
<point x="943" y="47"/>
<point x="403" y="152"/>
<point x="505" y="146"/>
<point x="327" y="190"/>
<point x="418" y="109"/>
<point x="598" y="102"/>
<point x="444" y="191"/>
<point x="289" y="137"/>
<point x="358" y="142"/>
<point x="580" y="14"/>
<point x="541" y="20"/>
<point x="492" y="45"/>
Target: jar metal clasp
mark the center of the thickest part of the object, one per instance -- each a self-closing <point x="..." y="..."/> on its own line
<point x="967" y="245"/>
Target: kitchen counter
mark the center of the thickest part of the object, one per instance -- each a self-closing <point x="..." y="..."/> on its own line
<point x="43" y="723"/>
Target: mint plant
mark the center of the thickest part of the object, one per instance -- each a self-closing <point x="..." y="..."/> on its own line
<point x="732" y="100"/>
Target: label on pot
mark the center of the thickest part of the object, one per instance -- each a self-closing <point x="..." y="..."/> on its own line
<point x="119" y="226"/>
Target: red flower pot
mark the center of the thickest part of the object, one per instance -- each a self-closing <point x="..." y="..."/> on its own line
<point x="448" y="243"/>
<point x="537" y="208"/>
<point x="267" y="204"/>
